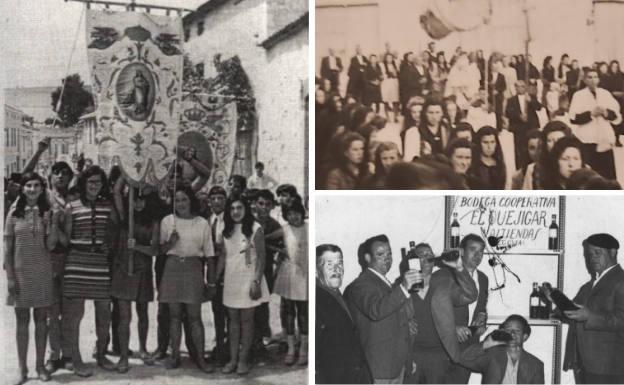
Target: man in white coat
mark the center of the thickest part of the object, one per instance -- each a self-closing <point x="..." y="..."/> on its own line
<point x="594" y="110"/>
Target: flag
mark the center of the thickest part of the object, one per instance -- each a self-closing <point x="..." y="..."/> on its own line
<point x="441" y="17"/>
<point x="136" y="62"/>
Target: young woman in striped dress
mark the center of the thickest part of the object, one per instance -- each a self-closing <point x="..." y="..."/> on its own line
<point x="30" y="232"/>
<point x="90" y="230"/>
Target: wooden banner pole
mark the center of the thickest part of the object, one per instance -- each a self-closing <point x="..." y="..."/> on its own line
<point x="131" y="231"/>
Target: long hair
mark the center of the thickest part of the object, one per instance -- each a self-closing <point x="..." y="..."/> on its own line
<point x="150" y="213"/>
<point x="345" y="143"/>
<point x="42" y="201"/>
<point x="549" y="128"/>
<point x="188" y="191"/>
<point x="552" y="176"/>
<point x="247" y="222"/>
<point x="498" y="152"/>
<point x="82" y="183"/>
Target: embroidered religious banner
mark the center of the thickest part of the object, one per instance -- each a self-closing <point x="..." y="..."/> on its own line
<point x="209" y="126"/>
<point x="136" y="71"/>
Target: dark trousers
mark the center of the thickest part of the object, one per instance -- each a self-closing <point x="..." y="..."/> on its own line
<point x="432" y="367"/>
<point x="162" y="317"/>
<point x="601" y="162"/>
<point x="594" y="378"/>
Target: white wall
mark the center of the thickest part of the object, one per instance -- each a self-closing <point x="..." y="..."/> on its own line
<point x="276" y="76"/>
<point x="557" y="27"/>
<point x="348" y="221"/>
<point x="282" y="120"/>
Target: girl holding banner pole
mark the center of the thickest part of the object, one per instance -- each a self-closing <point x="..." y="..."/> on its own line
<point x="186" y="239"/>
<point x="132" y="276"/>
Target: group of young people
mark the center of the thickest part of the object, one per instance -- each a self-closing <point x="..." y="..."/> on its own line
<point x="68" y="239"/>
<point x="441" y="129"/>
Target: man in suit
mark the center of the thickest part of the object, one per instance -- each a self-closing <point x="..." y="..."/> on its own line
<point x="378" y="309"/>
<point x="412" y="78"/>
<point x="340" y="358"/>
<point x="436" y="345"/>
<point x="506" y="363"/>
<point x="355" y="86"/>
<point x="595" y="343"/>
<point x="594" y="110"/>
<point x="521" y="111"/>
<point x="331" y="67"/>
<point x="474" y="314"/>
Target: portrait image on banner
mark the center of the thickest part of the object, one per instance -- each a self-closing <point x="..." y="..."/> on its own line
<point x="136" y="66"/>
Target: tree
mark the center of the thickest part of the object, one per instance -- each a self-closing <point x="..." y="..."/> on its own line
<point x="76" y="99"/>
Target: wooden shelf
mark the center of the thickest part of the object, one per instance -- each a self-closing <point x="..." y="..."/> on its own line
<point x="528" y="252"/>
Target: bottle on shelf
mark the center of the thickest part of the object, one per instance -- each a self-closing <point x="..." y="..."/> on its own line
<point x="534" y="302"/>
<point x="454" y="232"/>
<point x="553" y="234"/>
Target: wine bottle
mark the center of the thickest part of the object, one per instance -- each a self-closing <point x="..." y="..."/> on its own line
<point x="561" y="300"/>
<point x="448" y="256"/>
<point x="534" y="302"/>
<point x="553" y="234"/>
<point x="454" y="232"/>
<point x="414" y="264"/>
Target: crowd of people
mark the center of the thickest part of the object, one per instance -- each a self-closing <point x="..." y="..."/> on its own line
<point x="384" y="332"/>
<point x="68" y="239"/>
<point x="424" y="122"/>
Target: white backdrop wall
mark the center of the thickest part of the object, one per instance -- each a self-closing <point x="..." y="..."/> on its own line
<point x="557" y="27"/>
<point x="348" y="221"/>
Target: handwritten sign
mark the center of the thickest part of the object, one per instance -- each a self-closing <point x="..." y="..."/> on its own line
<point x="510" y="223"/>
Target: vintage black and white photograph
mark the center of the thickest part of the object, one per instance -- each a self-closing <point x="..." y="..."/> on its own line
<point x="155" y="192"/>
<point x="469" y="94"/>
<point x="501" y="289"/>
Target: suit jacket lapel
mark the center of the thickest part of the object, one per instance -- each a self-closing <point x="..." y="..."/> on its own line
<point x="501" y="359"/>
<point x="375" y="278"/>
<point x="524" y="371"/>
<point x="604" y="281"/>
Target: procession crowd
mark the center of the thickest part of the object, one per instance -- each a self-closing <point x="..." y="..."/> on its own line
<point x="87" y="234"/>
<point x="430" y="326"/>
<point x="424" y="122"/>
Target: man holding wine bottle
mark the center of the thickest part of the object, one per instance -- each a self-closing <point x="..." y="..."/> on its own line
<point x="501" y="358"/>
<point x="595" y="343"/>
<point x="471" y="318"/>
<point x="379" y="311"/>
<point x="436" y="346"/>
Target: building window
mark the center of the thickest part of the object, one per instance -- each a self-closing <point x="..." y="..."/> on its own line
<point x="187" y="34"/>
<point x="200" y="28"/>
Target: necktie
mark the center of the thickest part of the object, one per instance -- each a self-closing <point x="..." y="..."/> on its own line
<point x="213" y="230"/>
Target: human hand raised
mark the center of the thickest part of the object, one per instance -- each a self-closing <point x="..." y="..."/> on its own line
<point x="463" y="333"/>
<point x="411" y="277"/>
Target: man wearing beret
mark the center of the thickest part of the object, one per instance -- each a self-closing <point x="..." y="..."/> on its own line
<point x="595" y="343"/>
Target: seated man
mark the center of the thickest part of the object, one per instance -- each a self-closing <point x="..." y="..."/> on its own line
<point x="505" y="363"/>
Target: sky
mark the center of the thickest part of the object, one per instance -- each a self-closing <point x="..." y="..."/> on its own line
<point x="38" y="35"/>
